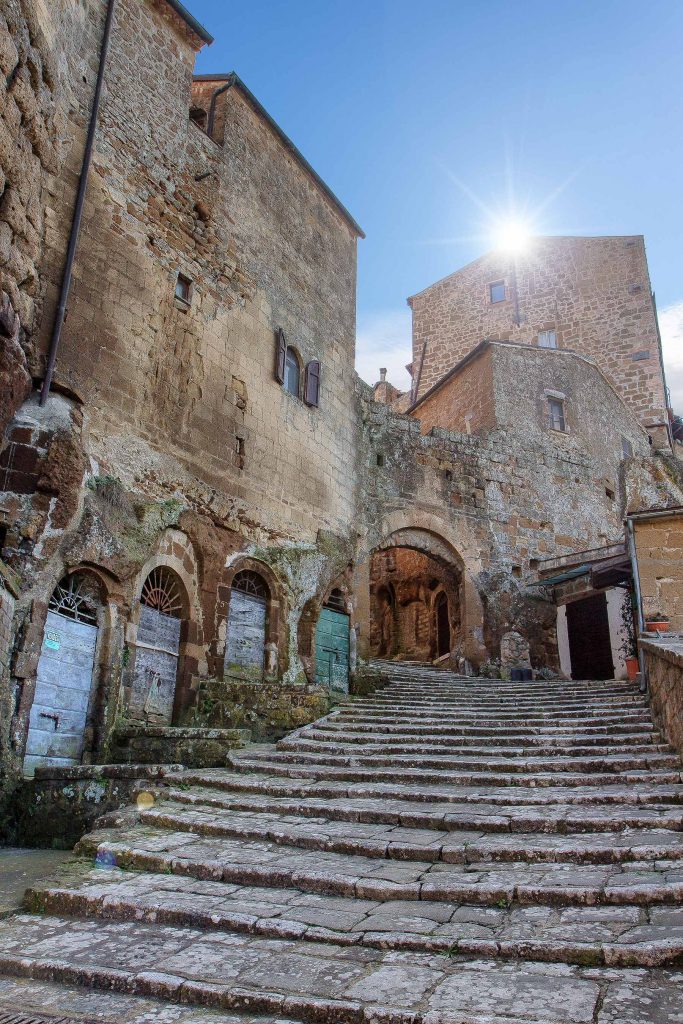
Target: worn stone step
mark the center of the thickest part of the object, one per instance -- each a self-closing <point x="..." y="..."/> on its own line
<point x="332" y="725"/>
<point x="501" y="699"/>
<point x="630" y="936"/>
<point x="324" y="982"/>
<point x="458" y="778"/>
<point x="478" y="688"/>
<point x="397" y="842"/>
<point x="464" y="716"/>
<point x="263" y="863"/>
<point x="332" y="733"/>
<point x="311" y="743"/>
<point x="278" y="786"/>
<point x="622" y="762"/>
<point x="482" y="816"/>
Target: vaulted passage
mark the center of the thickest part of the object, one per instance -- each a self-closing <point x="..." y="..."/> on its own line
<point x="415" y="605"/>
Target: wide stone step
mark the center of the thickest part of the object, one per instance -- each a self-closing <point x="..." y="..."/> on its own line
<point x="232" y="973"/>
<point x="621" y="762"/>
<point x="475" y="717"/>
<point x="309" y="743"/>
<point x="634" y="794"/>
<point x="612" y="706"/>
<point x="333" y="725"/>
<point x="485" y="817"/>
<point x="454" y="846"/>
<point x="333" y="733"/>
<point x="477" y="688"/>
<point x="629" y="936"/>
<point x="423" y="776"/>
<point x="267" y="864"/>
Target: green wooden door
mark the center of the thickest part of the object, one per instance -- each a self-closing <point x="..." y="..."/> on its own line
<point x="332" y="650"/>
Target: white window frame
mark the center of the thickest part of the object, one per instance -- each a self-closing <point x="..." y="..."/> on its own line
<point x="547" y="339"/>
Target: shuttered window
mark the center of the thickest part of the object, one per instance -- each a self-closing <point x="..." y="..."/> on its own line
<point x="280" y="355"/>
<point x="312" y="384"/>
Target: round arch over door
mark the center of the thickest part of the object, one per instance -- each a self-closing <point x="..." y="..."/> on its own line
<point x="157" y="647"/>
<point x="247" y="622"/>
<point x="57" y="721"/>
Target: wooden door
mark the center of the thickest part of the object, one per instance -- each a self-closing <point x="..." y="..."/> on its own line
<point x="64" y="681"/>
<point x="590" y="648"/>
<point x="246" y="640"/>
<point x="332" y="650"/>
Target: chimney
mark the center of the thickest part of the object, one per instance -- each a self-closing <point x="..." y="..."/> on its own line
<point x="382" y="374"/>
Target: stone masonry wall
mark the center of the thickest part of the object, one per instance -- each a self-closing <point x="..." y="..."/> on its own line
<point x="664" y="667"/>
<point x="659" y="546"/>
<point x="593" y="292"/>
<point x="464" y="403"/>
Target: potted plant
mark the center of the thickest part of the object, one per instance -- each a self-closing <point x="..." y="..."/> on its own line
<point x="628" y="638"/>
<point x="656" y="623"/>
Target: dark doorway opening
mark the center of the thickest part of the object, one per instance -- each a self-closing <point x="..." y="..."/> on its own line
<point x="590" y="648"/>
<point x="443" y="628"/>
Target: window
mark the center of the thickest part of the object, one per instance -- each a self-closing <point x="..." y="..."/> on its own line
<point x="292" y="372"/>
<point x="547" y="339"/>
<point x="497" y="291"/>
<point x="626" y="448"/>
<point x="556" y="414"/>
<point x="183" y="289"/>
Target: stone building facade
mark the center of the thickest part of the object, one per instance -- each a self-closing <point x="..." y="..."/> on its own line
<point x="589" y="295"/>
<point x="211" y="523"/>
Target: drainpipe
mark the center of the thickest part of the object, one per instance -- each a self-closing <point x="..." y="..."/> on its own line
<point x="639" y="601"/>
<point x="212" y="106"/>
<point x="78" y="210"/>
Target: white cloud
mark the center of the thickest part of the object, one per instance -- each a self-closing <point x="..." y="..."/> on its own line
<point x="671" y="327"/>
<point x="384" y="339"/>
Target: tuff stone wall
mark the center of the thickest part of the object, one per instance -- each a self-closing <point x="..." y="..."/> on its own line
<point x="465" y="402"/>
<point x="593" y="292"/>
<point x="659" y="547"/>
<point x="664" y="667"/>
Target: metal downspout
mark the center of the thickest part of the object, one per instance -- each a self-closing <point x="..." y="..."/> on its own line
<point x="639" y="602"/>
<point x="78" y="210"/>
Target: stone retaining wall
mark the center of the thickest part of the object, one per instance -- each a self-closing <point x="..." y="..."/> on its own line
<point x="664" y="667"/>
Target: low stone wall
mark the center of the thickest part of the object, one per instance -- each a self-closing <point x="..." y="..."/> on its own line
<point x="194" y="748"/>
<point x="664" y="668"/>
<point x="268" y="710"/>
<point x="60" y="805"/>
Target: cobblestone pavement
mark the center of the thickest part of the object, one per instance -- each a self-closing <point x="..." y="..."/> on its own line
<point x="448" y="850"/>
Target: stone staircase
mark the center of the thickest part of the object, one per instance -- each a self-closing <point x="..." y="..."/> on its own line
<point x="447" y="851"/>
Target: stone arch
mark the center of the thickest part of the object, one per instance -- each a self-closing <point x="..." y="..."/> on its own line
<point x="309" y="620"/>
<point x="275" y="618"/>
<point x="174" y="557"/>
<point x="459" y="555"/>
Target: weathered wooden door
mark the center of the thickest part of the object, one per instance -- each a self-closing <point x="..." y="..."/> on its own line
<point x="64" y="681"/>
<point x="246" y="640"/>
<point x="590" y="648"/>
<point x="157" y="647"/>
<point x="332" y="649"/>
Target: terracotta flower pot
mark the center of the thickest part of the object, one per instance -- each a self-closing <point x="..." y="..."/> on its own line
<point x="632" y="668"/>
<point x="657" y="627"/>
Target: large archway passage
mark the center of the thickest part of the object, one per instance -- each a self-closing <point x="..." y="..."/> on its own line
<point x="415" y="604"/>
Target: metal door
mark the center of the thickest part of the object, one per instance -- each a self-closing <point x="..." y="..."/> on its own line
<point x="60" y="706"/>
<point x="246" y="640"/>
<point x="332" y="650"/>
<point x="156" y="664"/>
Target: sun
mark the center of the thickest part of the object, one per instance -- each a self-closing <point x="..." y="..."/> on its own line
<point x="512" y="235"/>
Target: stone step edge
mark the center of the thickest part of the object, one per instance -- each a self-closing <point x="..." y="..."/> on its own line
<point x="414" y="819"/>
<point x="564" y="751"/>
<point x="176" y="989"/>
<point x="464" y="854"/>
<point x="72" y="903"/>
<point x="512" y="764"/>
<point x="337" y="884"/>
<point x="517" y="796"/>
<point x="362" y="773"/>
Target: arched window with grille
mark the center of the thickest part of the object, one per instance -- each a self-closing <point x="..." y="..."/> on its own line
<point x="247" y="622"/>
<point x="162" y="604"/>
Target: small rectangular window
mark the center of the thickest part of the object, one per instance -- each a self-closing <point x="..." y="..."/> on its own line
<point x="556" y="414"/>
<point x="626" y="447"/>
<point x="183" y="288"/>
<point x="547" y="339"/>
<point x="497" y="291"/>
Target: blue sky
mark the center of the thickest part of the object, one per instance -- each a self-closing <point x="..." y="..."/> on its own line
<point x="422" y="116"/>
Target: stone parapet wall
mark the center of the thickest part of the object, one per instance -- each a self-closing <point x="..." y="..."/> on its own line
<point x="659" y="547"/>
<point x="664" y="668"/>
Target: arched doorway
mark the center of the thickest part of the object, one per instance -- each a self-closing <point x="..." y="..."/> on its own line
<point x="157" y="646"/>
<point x="64" y="683"/>
<point x="332" y="643"/>
<point x="416" y="598"/>
<point x="247" y="624"/>
<point x="443" y="626"/>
